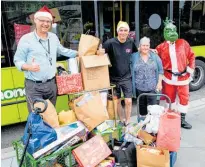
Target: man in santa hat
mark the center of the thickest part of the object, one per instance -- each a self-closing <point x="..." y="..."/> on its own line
<point x="178" y="62"/>
<point x="119" y="50"/>
<point x="36" y="57"/>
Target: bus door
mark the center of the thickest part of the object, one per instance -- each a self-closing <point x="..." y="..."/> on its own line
<point x="151" y="17"/>
<point x="110" y="13"/>
<point x="9" y="106"/>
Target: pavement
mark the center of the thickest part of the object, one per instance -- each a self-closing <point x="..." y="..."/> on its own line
<point x="192" y="148"/>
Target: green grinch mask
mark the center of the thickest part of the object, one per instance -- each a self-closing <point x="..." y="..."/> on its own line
<point x="170" y="31"/>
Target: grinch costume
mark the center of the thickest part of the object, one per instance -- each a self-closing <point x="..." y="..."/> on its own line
<point x="178" y="62"/>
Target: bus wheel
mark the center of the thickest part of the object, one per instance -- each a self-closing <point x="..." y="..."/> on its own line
<point x="199" y="76"/>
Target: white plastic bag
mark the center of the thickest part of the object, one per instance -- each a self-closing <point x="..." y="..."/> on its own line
<point x="73" y="66"/>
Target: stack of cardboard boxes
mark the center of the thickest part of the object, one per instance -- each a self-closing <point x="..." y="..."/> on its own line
<point x="94" y="68"/>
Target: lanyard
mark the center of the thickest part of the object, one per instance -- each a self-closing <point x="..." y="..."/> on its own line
<point x="47" y="50"/>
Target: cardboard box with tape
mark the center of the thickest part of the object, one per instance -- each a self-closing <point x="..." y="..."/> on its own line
<point x="95" y="72"/>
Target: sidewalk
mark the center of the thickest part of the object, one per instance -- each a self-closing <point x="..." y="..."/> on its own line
<point x="192" y="144"/>
<point x="8" y="157"/>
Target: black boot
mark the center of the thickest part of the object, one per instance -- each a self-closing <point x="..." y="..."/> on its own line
<point x="184" y="124"/>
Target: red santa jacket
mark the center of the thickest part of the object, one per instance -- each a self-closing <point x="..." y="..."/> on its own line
<point x="176" y="57"/>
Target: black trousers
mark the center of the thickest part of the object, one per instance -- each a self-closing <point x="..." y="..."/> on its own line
<point x="145" y="101"/>
<point x="44" y="91"/>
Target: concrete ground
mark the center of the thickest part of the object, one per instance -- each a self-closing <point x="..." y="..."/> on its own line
<point x="192" y="150"/>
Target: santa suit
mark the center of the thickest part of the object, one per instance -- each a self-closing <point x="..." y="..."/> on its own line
<point x="177" y="57"/>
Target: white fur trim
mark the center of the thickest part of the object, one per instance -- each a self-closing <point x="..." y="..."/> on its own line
<point x="173" y="57"/>
<point x="44" y="14"/>
<point x="171" y="82"/>
<point x="190" y="70"/>
<point x="183" y="108"/>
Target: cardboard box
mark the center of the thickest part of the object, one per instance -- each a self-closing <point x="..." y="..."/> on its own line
<point x="92" y="152"/>
<point x="65" y="134"/>
<point x="95" y="72"/>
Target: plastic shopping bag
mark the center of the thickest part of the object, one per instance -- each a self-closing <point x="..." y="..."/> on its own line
<point x="169" y="131"/>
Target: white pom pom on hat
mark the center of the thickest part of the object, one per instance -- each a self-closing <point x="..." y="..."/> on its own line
<point x="45" y="12"/>
<point x="122" y="24"/>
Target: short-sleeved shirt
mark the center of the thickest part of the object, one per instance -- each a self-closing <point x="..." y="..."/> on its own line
<point x="145" y="74"/>
<point x="119" y="54"/>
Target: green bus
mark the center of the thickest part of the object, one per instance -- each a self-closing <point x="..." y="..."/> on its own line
<point x="199" y="73"/>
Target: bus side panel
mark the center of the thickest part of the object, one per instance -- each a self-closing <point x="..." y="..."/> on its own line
<point x="62" y="103"/>
<point x="23" y="111"/>
<point x="199" y="50"/>
<point x="9" y="113"/>
<point x="19" y="79"/>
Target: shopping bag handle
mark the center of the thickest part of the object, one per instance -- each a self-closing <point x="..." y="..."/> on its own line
<point x="38" y="110"/>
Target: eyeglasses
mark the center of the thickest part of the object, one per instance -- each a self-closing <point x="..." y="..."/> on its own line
<point x="45" y="21"/>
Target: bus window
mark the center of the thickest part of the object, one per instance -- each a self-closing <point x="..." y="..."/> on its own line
<point x="17" y="12"/>
<point x="5" y="58"/>
<point x="190" y="21"/>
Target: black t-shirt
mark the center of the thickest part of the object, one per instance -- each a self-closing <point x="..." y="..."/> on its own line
<point x="119" y="54"/>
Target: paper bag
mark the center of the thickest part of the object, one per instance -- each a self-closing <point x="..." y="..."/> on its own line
<point x="88" y="45"/>
<point x="66" y="117"/>
<point x="90" y="110"/>
<point x="152" y="156"/>
<point x="92" y="152"/>
<point x="50" y="115"/>
<point x="169" y="131"/>
<point x="112" y="110"/>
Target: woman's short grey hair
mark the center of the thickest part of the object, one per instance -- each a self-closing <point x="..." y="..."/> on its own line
<point x="144" y="40"/>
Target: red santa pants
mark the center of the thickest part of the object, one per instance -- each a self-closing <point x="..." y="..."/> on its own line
<point x="183" y="93"/>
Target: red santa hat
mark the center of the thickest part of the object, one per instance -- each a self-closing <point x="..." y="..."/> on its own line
<point x="122" y="24"/>
<point x="45" y="12"/>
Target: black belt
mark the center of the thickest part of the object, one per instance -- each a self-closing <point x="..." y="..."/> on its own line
<point x="177" y="73"/>
<point x="48" y="80"/>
